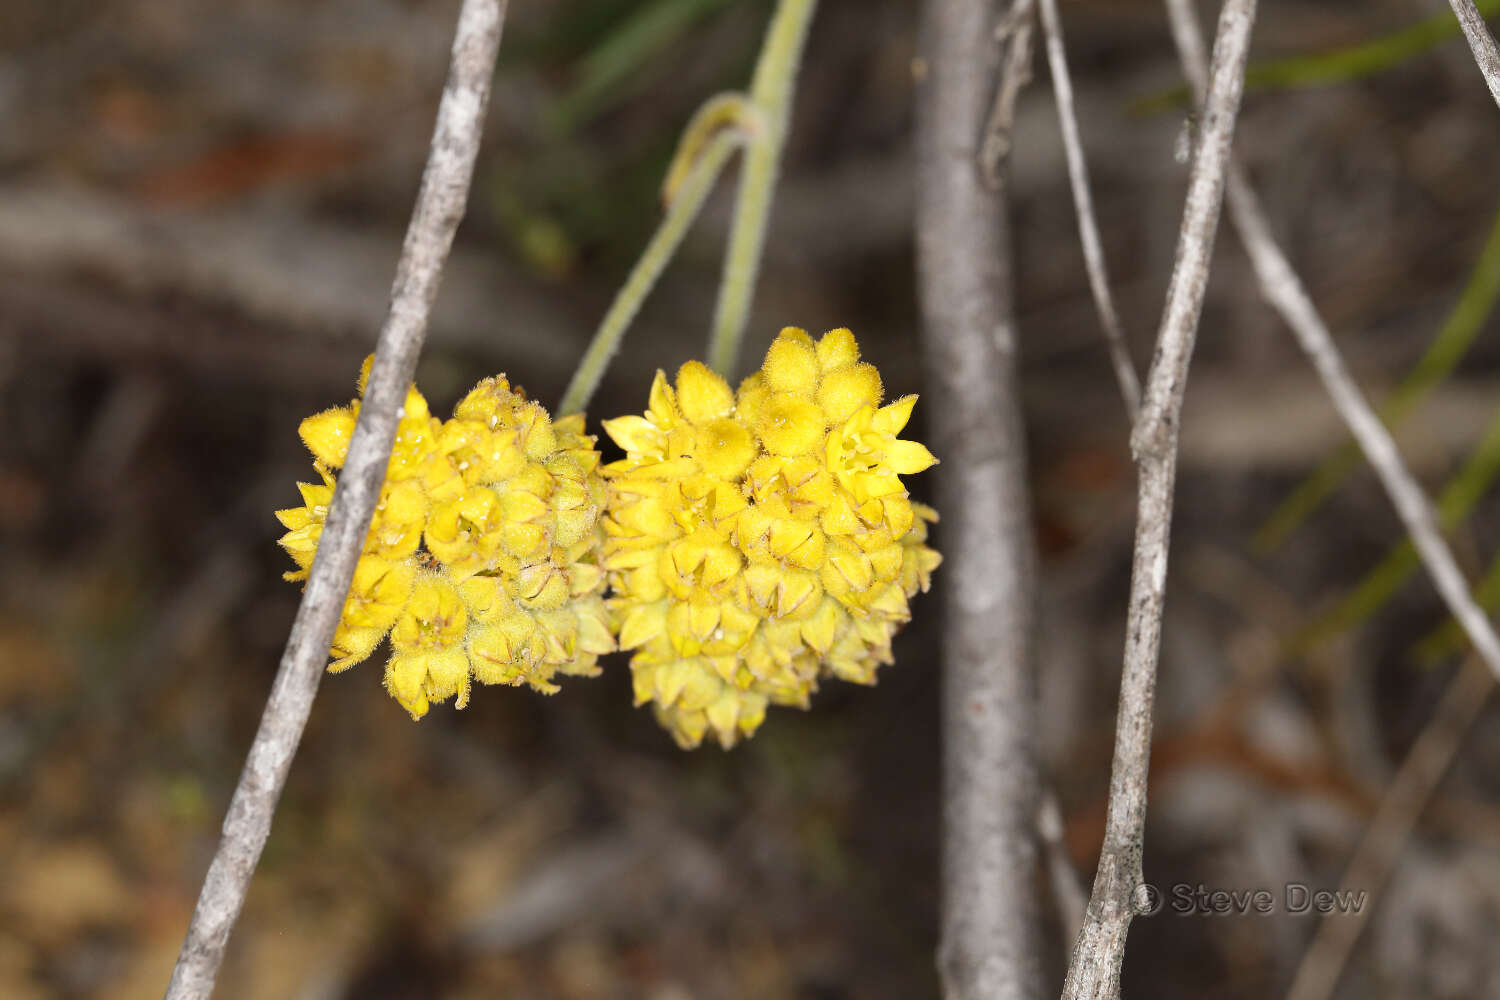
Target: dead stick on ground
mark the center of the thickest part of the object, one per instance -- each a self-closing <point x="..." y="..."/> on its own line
<point x="440" y="206"/>
<point x="990" y="939"/>
<point x="1095" y="968"/>
<point x="1284" y="291"/>
<point x="1083" y="202"/>
<point x="1397" y="816"/>
<point x="1481" y="41"/>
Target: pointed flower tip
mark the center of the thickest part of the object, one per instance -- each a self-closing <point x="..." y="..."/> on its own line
<point x="327" y="435"/>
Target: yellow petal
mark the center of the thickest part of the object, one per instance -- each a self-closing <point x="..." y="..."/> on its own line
<point x="890" y="419"/>
<point x="405" y="679"/>
<point x="448" y="675"/>
<point x="722" y="715"/>
<point x="908" y="457"/>
<point x="636" y="435"/>
<point x="662" y="404"/>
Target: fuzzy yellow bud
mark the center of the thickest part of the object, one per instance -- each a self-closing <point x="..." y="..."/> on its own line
<point x="327" y="435"/>
<point x="791" y="364"/>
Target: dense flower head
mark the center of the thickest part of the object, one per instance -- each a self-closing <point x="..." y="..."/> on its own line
<point x="759" y="540"/>
<point x="481" y="557"/>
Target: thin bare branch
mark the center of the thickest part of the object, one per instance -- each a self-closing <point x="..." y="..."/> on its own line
<point x="1013" y="37"/>
<point x="990" y="941"/>
<point x="1083" y="202"/>
<point x="1481" y="41"/>
<point x="1283" y="290"/>
<point x="1095" y="968"/>
<point x="439" y="207"/>
<point x="1375" y="858"/>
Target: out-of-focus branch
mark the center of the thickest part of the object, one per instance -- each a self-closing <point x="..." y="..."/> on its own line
<point x="1013" y="36"/>
<point x="1100" y="949"/>
<point x="990" y="940"/>
<point x="1481" y="41"/>
<point x="440" y="205"/>
<point x="1083" y="202"/>
<point x="1373" y="860"/>
<point x="1067" y="890"/>
<point x="1283" y="290"/>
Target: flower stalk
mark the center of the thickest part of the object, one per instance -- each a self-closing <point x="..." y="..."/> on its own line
<point x="687" y="201"/>
<point x="725" y="123"/>
<point x="771" y="97"/>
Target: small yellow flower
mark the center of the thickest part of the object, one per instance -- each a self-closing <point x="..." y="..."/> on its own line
<point x="481" y="557"/>
<point x="761" y="539"/>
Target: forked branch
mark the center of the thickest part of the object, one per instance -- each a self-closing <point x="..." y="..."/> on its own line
<point x="1284" y="291"/>
<point x="1100" y="949"/>
<point x="1083" y="204"/>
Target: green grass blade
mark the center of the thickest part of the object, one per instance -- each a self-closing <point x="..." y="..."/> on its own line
<point x="1380" y="584"/>
<point x="607" y="71"/>
<point x="1475" y="304"/>
<point x="1334" y="66"/>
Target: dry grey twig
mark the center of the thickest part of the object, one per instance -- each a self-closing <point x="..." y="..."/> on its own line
<point x="1095" y="967"/>
<point x="1481" y="41"/>
<point x="1083" y="201"/>
<point x="439" y="207"/>
<point x="990" y="941"/>
<point x="1013" y="39"/>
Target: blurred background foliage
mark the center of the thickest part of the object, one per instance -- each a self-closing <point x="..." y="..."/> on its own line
<point x="200" y="206"/>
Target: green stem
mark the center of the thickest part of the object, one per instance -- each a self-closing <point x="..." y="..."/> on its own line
<point x="685" y="207"/>
<point x="1463" y="324"/>
<point x="771" y="95"/>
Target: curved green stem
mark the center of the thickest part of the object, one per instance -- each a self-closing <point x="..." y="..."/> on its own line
<point x="771" y="96"/>
<point x="728" y="110"/>
<point x="684" y="208"/>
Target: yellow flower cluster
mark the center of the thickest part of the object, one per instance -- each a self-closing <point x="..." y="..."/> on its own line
<point x="481" y="558"/>
<point x="761" y="539"/>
